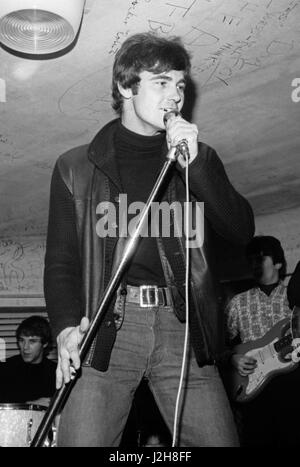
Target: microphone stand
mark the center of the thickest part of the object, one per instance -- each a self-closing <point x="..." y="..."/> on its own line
<point x="60" y="396"/>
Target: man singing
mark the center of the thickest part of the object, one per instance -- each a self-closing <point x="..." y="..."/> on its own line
<point x="142" y="333"/>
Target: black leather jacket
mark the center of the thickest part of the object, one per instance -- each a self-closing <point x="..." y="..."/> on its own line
<point x="77" y="266"/>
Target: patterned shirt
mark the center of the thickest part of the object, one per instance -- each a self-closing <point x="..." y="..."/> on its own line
<point x="251" y="314"/>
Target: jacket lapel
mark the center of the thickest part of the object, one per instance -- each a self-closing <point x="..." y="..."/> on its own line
<point x="103" y="154"/>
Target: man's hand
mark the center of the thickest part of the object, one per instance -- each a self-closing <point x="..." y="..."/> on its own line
<point x="243" y="364"/>
<point x="179" y="129"/>
<point x="295" y="355"/>
<point x="68" y="342"/>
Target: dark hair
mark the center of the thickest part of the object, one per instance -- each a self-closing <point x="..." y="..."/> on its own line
<point x="146" y="52"/>
<point x="35" y="326"/>
<point x="266" y="245"/>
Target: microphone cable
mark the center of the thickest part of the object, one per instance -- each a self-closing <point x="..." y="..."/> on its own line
<point x="187" y="275"/>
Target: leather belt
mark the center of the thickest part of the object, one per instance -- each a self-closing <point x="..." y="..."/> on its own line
<point x="147" y="296"/>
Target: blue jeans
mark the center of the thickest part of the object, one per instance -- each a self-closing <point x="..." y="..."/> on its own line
<point x="149" y="343"/>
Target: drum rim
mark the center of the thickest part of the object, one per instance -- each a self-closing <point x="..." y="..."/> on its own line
<point x="22" y="406"/>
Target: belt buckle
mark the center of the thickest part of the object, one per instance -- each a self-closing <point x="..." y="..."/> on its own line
<point x="148" y="296"/>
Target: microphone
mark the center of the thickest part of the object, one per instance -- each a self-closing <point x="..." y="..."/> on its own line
<point x="182" y="146"/>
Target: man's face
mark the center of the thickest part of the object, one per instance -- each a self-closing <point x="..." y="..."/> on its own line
<point x="156" y="94"/>
<point x="31" y="348"/>
<point x="264" y="269"/>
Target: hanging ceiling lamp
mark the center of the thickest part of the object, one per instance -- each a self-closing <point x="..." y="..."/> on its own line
<point x="39" y="26"/>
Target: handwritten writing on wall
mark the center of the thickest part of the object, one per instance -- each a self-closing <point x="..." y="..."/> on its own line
<point x="21" y="265"/>
<point x="221" y="31"/>
<point x="225" y="38"/>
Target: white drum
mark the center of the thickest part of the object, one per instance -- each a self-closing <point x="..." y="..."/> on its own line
<point x="19" y="423"/>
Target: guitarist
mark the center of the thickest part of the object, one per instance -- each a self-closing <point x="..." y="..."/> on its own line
<point x="268" y="419"/>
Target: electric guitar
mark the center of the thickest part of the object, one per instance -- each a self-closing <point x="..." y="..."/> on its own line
<point x="273" y="353"/>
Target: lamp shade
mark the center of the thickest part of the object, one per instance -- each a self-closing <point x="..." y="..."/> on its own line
<point x="39" y="26"/>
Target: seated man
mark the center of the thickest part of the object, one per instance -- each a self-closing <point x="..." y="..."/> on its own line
<point x="29" y="376"/>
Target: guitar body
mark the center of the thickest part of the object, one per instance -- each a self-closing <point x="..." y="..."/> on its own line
<point x="270" y="351"/>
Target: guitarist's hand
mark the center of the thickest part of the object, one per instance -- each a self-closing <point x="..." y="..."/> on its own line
<point x="244" y="364"/>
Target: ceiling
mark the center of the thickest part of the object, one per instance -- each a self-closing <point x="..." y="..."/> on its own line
<point x="245" y="54"/>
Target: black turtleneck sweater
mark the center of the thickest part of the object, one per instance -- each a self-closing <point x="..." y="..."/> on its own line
<point x="139" y="161"/>
<point x="24" y="382"/>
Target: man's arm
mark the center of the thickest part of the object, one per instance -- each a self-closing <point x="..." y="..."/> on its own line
<point x="62" y="281"/>
<point x="228" y="212"/>
<point x="242" y="363"/>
